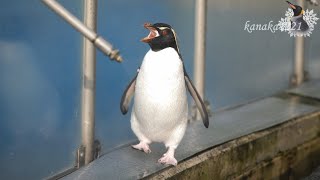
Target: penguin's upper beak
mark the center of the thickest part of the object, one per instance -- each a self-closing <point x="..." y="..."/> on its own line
<point x="291" y="5"/>
<point x="153" y="32"/>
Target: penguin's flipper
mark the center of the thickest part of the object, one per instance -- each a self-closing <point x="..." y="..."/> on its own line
<point x="127" y="95"/>
<point x="196" y="97"/>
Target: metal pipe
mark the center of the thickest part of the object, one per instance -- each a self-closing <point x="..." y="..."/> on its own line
<point x="97" y="40"/>
<point x="200" y="47"/>
<point x="299" y="69"/>
<point x="89" y="81"/>
<point x="298" y="61"/>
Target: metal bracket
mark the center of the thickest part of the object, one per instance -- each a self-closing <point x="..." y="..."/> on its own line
<point x="80" y="159"/>
<point x="81" y="153"/>
<point x="293" y="78"/>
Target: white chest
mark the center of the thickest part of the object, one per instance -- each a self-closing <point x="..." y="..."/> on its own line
<point x="161" y="74"/>
<point x="160" y="102"/>
<point x="160" y="84"/>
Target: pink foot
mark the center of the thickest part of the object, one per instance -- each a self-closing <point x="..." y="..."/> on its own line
<point x="167" y="159"/>
<point x="142" y="146"/>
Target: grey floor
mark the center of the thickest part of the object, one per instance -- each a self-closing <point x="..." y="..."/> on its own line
<point x="126" y="163"/>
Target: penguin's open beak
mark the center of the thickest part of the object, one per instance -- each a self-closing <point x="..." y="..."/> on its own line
<point x="153" y="32"/>
<point x="291" y="5"/>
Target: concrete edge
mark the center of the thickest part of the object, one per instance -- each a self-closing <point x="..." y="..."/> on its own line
<point x="241" y="157"/>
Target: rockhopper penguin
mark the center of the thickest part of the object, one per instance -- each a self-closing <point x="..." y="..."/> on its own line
<point x="160" y="109"/>
<point x="297" y="21"/>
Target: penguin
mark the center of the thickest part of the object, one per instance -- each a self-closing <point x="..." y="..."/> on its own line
<point x="160" y="108"/>
<point x="297" y="21"/>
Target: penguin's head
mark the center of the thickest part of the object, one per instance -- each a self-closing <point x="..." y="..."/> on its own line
<point x="297" y="10"/>
<point x="160" y="37"/>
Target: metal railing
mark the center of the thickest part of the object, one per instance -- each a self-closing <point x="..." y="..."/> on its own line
<point x="88" y="83"/>
<point x="299" y="73"/>
<point x="87" y="151"/>
<point x="200" y="54"/>
<point x="200" y="45"/>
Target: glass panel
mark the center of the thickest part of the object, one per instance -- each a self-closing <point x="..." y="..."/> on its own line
<point x="40" y="63"/>
<point x="243" y="65"/>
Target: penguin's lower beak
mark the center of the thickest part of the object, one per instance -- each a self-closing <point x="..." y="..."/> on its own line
<point x="153" y="33"/>
<point x="291" y="5"/>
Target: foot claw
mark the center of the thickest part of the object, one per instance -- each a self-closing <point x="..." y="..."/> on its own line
<point x="142" y="147"/>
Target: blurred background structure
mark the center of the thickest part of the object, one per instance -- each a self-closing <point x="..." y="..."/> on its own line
<point x="40" y="70"/>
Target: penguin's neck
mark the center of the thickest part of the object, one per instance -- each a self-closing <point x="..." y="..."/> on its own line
<point x="158" y="46"/>
<point x="162" y="63"/>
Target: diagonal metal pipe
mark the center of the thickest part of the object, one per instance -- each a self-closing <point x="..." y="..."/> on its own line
<point x="97" y="40"/>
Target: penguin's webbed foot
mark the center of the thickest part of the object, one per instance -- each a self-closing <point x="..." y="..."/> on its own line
<point x="168" y="159"/>
<point x="142" y="146"/>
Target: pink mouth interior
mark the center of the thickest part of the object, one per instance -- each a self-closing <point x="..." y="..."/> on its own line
<point x="153" y="33"/>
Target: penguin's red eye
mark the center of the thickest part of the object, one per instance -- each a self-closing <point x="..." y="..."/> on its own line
<point x="165" y="32"/>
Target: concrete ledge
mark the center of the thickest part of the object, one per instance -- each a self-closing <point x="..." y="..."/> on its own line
<point x="289" y="150"/>
<point x="272" y="137"/>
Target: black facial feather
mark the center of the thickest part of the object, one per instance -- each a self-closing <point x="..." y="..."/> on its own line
<point x="165" y="39"/>
<point x="161" y="25"/>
